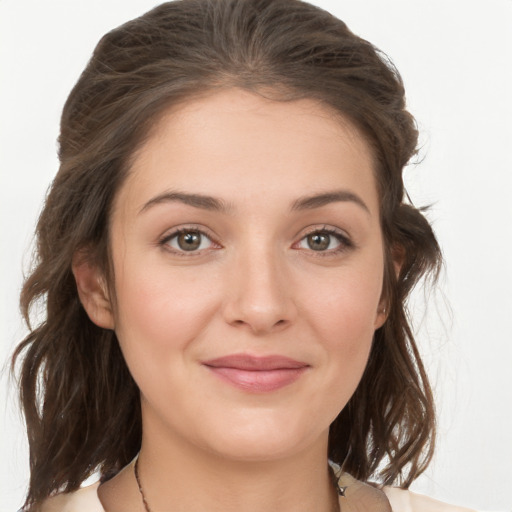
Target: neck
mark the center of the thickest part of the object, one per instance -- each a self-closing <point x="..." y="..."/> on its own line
<point x="179" y="476"/>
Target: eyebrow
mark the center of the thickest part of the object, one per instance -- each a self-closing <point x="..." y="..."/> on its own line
<point x="197" y="200"/>
<point x="214" y="204"/>
<point x="323" y="199"/>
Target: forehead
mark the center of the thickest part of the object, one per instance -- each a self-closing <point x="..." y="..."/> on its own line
<point x="242" y="146"/>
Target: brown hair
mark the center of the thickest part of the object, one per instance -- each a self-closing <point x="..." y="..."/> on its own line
<point x="81" y="404"/>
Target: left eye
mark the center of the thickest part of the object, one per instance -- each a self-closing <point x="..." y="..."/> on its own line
<point x="321" y="241"/>
<point x="188" y="241"/>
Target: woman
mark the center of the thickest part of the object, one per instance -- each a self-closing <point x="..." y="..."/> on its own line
<point x="225" y="254"/>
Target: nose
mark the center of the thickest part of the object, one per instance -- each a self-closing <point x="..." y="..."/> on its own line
<point x="260" y="295"/>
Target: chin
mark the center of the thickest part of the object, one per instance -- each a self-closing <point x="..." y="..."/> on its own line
<point x="256" y="450"/>
<point x="263" y="440"/>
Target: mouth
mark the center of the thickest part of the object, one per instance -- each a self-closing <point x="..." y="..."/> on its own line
<point x="257" y="374"/>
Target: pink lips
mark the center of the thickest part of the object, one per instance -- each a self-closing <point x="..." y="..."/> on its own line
<point x="257" y="374"/>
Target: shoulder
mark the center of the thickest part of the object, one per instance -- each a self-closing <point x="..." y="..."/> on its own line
<point x="407" y="501"/>
<point x="84" y="499"/>
<point x="361" y="497"/>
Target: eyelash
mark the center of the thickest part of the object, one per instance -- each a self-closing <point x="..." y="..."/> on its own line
<point x="345" y="243"/>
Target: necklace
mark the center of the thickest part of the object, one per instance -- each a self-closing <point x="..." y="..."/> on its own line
<point x="336" y="506"/>
<point x="136" y="471"/>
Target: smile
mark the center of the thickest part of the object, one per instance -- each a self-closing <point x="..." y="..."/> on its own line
<point x="257" y="374"/>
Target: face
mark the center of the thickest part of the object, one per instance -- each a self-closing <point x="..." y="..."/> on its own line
<point x="248" y="263"/>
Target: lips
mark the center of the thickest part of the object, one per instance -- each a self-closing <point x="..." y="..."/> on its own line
<point x="257" y="374"/>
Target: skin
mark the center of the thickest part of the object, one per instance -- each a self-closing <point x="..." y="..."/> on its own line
<point x="255" y="286"/>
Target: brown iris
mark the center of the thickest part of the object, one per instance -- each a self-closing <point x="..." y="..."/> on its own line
<point x="318" y="241"/>
<point x="189" y="241"/>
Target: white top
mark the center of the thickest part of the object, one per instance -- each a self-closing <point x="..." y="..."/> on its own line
<point x="86" y="500"/>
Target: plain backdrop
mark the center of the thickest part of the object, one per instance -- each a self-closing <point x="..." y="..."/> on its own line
<point x="455" y="57"/>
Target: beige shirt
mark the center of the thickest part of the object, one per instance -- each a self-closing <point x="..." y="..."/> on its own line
<point x="86" y="500"/>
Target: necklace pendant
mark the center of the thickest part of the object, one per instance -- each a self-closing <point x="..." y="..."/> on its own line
<point x="341" y="490"/>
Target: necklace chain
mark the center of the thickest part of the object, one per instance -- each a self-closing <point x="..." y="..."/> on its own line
<point x="136" y="471"/>
<point x="337" y="508"/>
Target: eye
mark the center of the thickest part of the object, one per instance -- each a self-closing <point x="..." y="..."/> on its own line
<point x="325" y="240"/>
<point x="187" y="240"/>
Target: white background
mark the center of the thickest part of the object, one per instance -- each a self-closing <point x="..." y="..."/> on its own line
<point x="456" y="60"/>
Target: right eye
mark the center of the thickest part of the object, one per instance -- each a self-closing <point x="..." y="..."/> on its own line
<point x="188" y="240"/>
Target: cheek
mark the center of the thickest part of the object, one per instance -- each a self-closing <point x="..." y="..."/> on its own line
<point x="345" y="322"/>
<point x="160" y="310"/>
<point x="345" y="306"/>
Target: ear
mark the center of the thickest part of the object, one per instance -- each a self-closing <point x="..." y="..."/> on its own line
<point x="93" y="291"/>
<point x="397" y="260"/>
<point x="398" y="257"/>
<point x="381" y="316"/>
